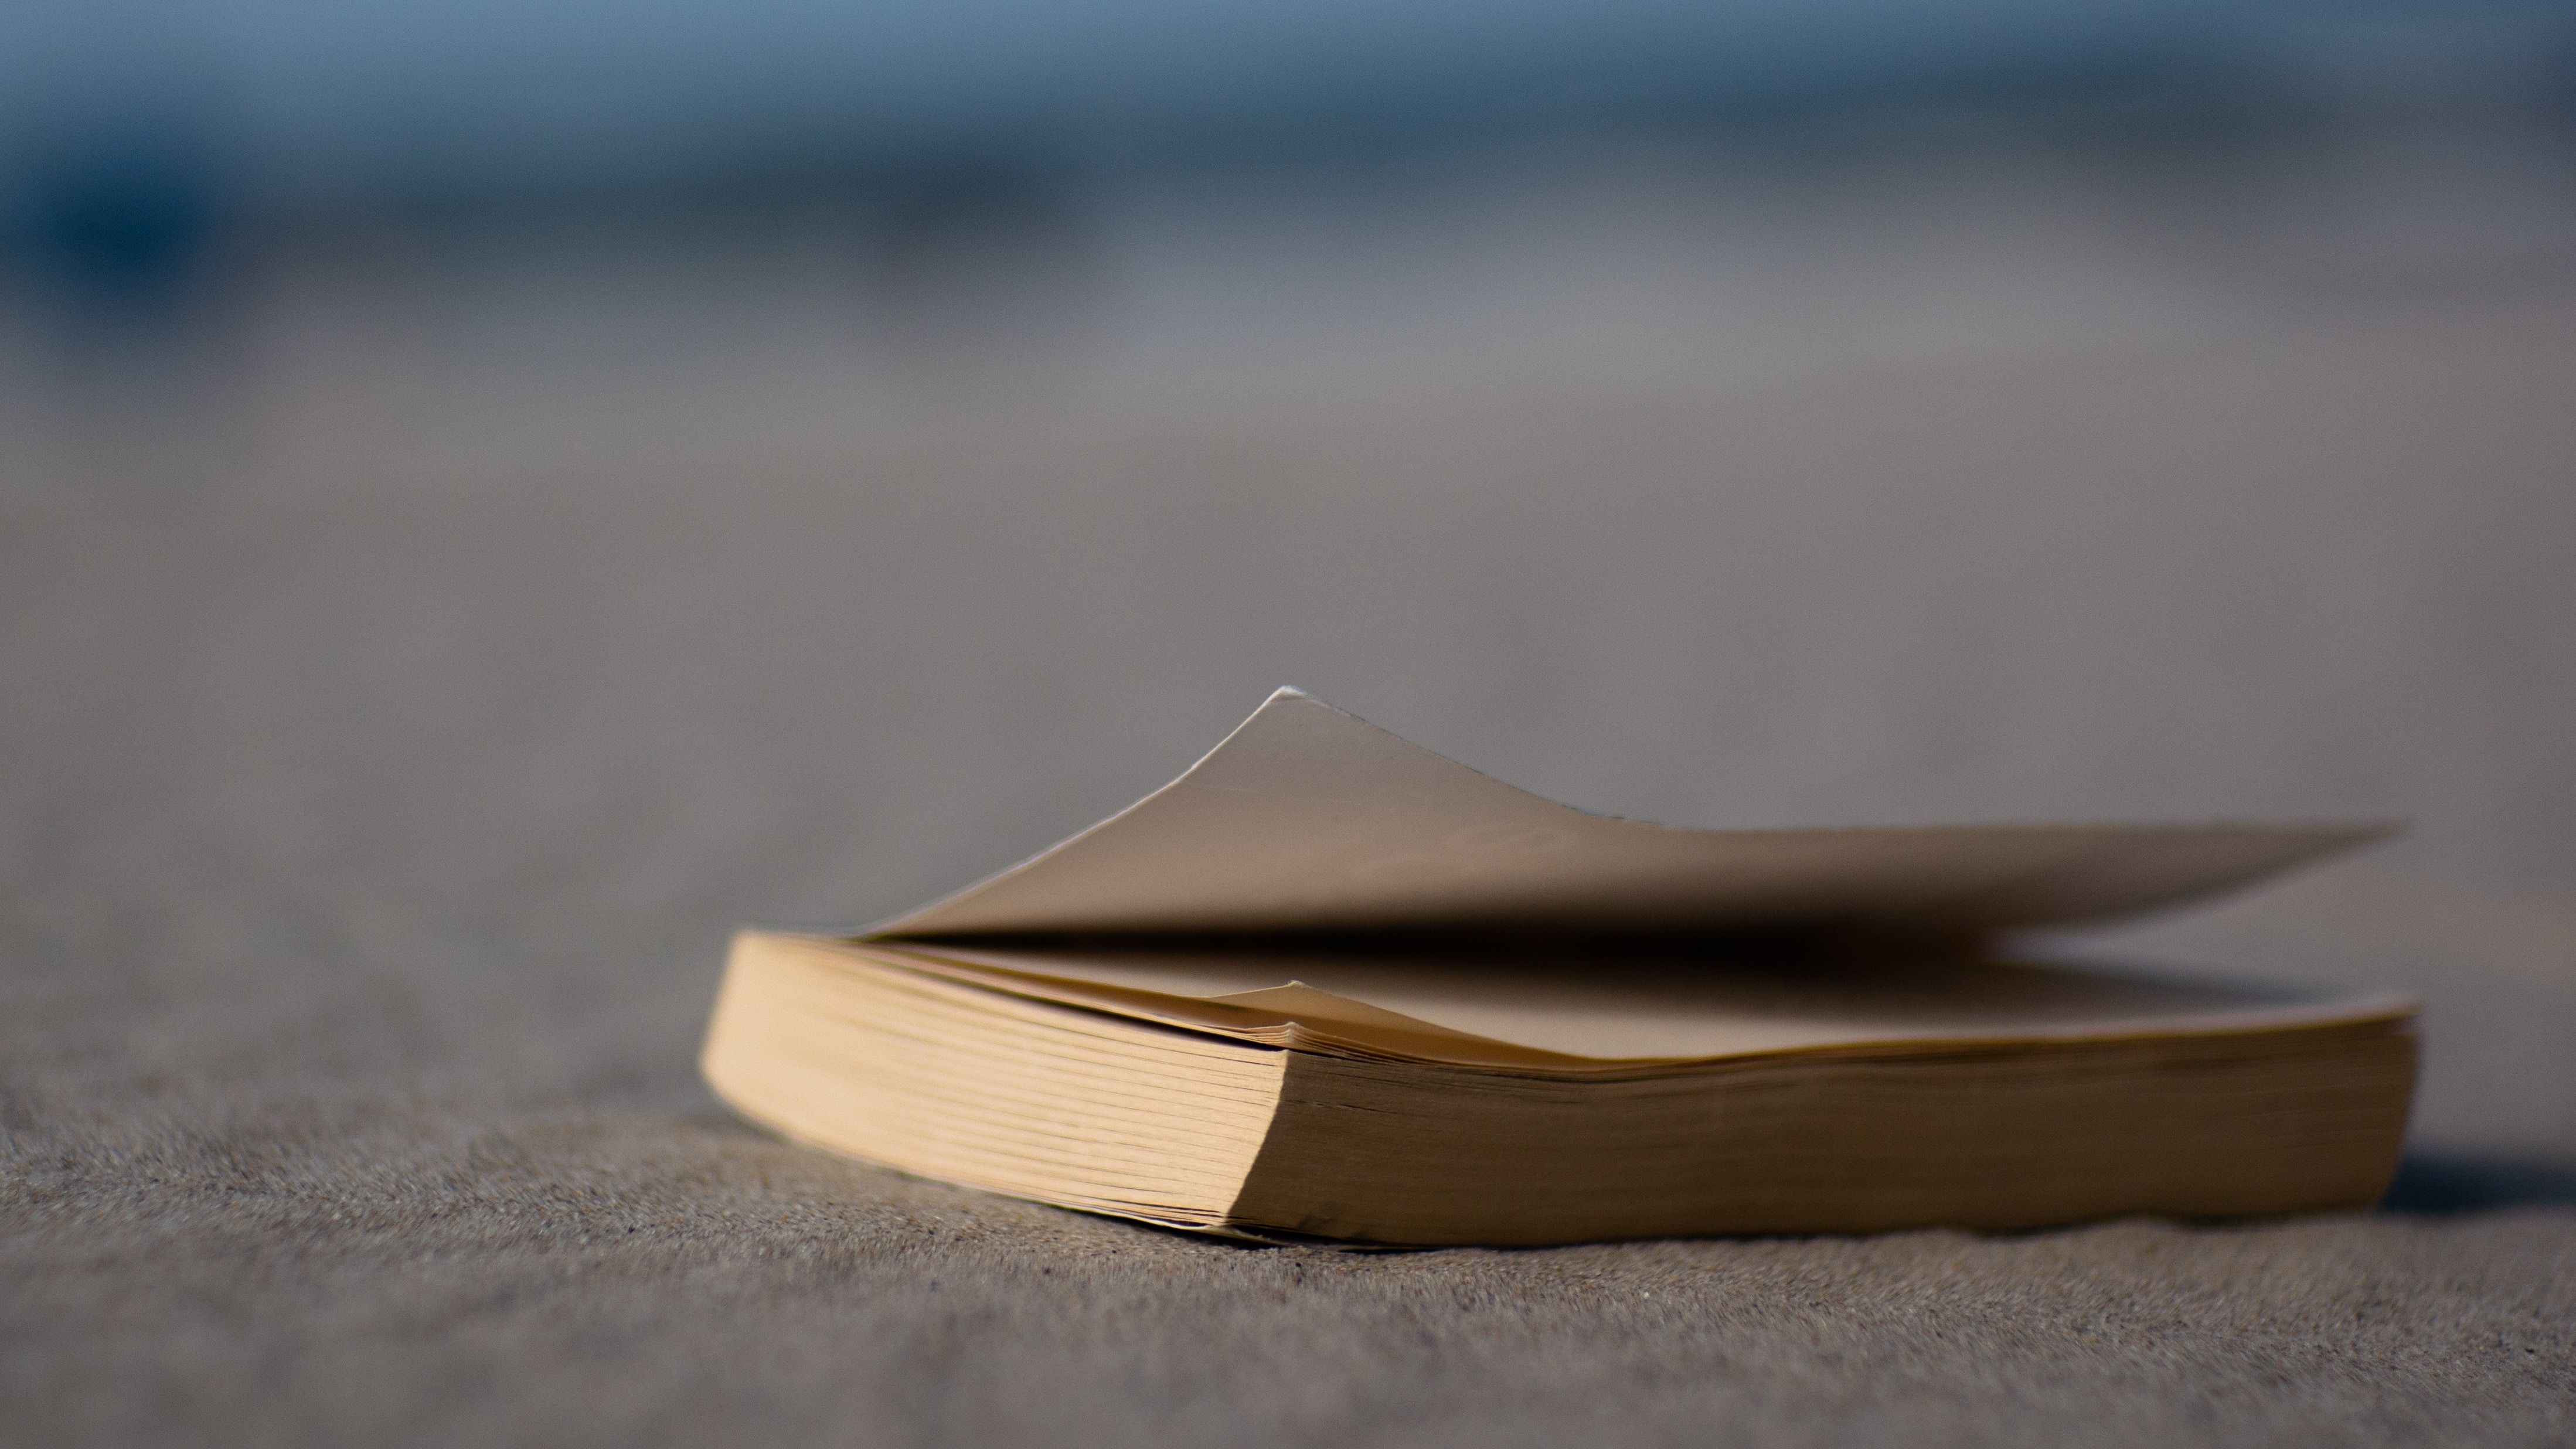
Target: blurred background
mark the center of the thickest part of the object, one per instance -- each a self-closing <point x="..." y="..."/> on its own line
<point x="492" y="495"/>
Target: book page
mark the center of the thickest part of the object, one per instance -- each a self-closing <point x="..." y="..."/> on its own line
<point x="1578" y="1006"/>
<point x="1307" y="819"/>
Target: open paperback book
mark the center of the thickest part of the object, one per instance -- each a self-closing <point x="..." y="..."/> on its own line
<point x="1330" y="985"/>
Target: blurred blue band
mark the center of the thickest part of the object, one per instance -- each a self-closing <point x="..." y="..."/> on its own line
<point x="302" y="100"/>
<point x="131" y="131"/>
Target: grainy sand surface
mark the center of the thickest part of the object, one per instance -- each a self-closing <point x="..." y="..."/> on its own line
<point x="374" y="804"/>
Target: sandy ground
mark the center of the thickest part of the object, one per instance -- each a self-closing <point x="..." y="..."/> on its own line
<point x="385" y="753"/>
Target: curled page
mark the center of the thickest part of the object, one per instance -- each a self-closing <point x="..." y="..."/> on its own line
<point x="1307" y="819"/>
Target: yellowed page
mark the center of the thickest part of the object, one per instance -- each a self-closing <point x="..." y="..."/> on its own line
<point x="1576" y="1009"/>
<point x="1308" y="819"/>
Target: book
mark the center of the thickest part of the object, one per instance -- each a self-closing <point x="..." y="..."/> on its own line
<point x="1331" y="986"/>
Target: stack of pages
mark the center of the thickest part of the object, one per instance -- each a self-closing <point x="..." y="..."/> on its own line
<point x="1328" y="985"/>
